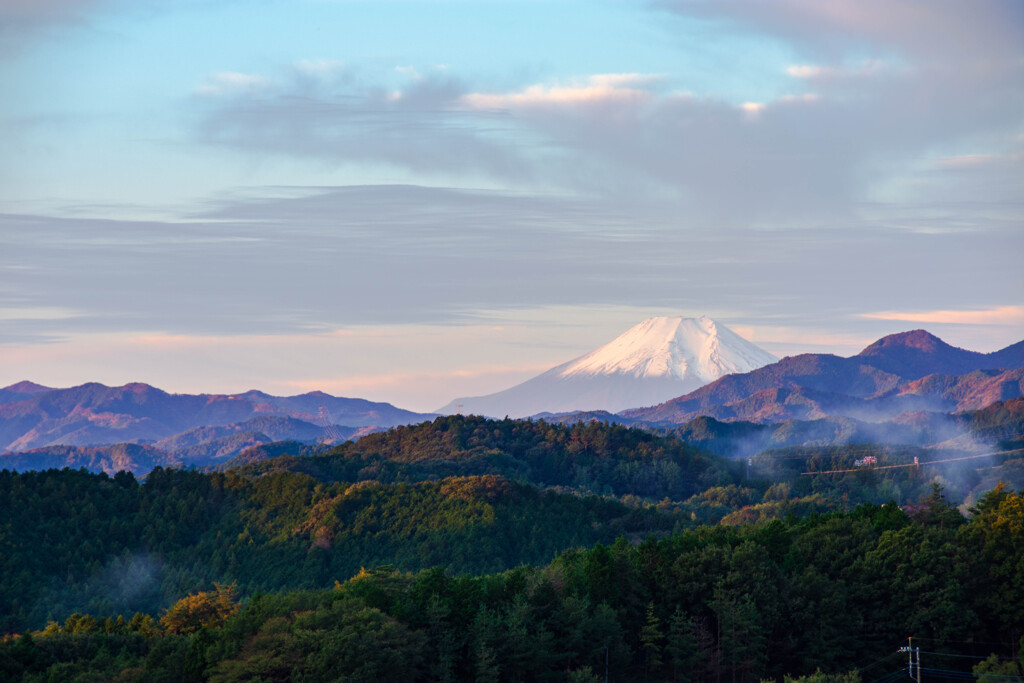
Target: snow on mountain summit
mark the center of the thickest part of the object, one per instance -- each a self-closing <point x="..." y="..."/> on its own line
<point x="659" y="359"/>
<point x="673" y="347"/>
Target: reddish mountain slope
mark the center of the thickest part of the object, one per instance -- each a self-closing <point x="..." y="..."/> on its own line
<point x="911" y="371"/>
<point x="917" y="353"/>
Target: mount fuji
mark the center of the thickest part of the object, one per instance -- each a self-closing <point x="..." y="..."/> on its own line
<point x="659" y="359"/>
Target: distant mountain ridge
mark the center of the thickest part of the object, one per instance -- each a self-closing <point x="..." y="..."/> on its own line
<point x="910" y="371"/>
<point x="32" y="416"/>
<point x="655" y="360"/>
<point x="917" y="353"/>
<point x="21" y="391"/>
<point x="129" y="457"/>
<point x="905" y="388"/>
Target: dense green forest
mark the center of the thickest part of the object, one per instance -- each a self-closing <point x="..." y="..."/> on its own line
<point x="596" y="457"/>
<point x="637" y="465"/>
<point x="838" y="592"/>
<point x="76" y="541"/>
<point x="512" y="550"/>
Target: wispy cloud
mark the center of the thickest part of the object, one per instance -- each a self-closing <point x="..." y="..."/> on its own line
<point x="22" y="21"/>
<point x="408" y="71"/>
<point x="424" y="389"/>
<point x="318" y="66"/>
<point x="225" y="82"/>
<point x="597" y="89"/>
<point x="790" y="340"/>
<point x="950" y="30"/>
<point x="999" y="315"/>
<point x="373" y="255"/>
<point x="37" y="313"/>
<point x="812" y="72"/>
<point x="371" y="286"/>
<point x="812" y="157"/>
<point x="805" y="71"/>
<point x="967" y="160"/>
<point x="340" y="116"/>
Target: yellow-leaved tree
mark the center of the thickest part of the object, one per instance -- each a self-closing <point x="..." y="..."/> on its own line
<point x="209" y="609"/>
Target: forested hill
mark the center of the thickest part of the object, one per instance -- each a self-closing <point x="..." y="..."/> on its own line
<point x="75" y="541"/>
<point x="596" y="457"/>
<point x="503" y="513"/>
<point x="838" y="592"/>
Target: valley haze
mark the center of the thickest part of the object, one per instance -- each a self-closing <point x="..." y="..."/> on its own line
<point x="710" y="387"/>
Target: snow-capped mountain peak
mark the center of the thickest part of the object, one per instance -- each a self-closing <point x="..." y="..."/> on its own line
<point x="656" y="360"/>
<point x="672" y="347"/>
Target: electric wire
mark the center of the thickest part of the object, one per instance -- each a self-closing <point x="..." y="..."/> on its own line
<point x="878" y="661"/>
<point x="965" y="642"/>
<point x="950" y="654"/>
<point x="943" y="674"/>
<point x="888" y="678"/>
<point x="912" y="464"/>
<point x="968" y="675"/>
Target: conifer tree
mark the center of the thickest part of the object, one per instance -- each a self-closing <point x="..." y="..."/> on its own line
<point x="681" y="646"/>
<point x="650" y="641"/>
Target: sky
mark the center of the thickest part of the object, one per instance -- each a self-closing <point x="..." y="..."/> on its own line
<point x="416" y="201"/>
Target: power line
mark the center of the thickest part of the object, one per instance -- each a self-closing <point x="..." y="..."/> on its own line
<point x="878" y="661"/>
<point x="890" y="677"/>
<point x="914" y="464"/>
<point x="822" y="452"/>
<point x="914" y="669"/>
<point x="965" y="642"/>
<point x="969" y="675"/>
<point x="950" y="654"/>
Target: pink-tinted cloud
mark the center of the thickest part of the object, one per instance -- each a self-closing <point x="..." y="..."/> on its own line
<point x="787" y="340"/>
<point x="813" y="72"/>
<point x="37" y="313"/>
<point x="596" y="89"/>
<point x="999" y="315"/>
<point x="425" y="387"/>
<point x="970" y="160"/>
<point x="951" y="30"/>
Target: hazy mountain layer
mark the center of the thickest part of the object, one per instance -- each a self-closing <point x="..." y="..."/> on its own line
<point x="127" y="457"/>
<point x="94" y="414"/>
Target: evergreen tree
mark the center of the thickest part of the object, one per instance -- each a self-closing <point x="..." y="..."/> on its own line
<point x="650" y="641"/>
<point x="486" y="632"/>
<point x="681" y="647"/>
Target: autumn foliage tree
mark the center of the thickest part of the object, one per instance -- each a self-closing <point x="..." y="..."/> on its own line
<point x="209" y="609"/>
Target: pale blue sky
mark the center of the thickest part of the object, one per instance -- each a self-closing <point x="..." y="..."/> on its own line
<point x="120" y="85"/>
<point x="213" y="195"/>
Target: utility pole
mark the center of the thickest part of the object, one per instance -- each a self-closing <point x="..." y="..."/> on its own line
<point x="911" y="651"/>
